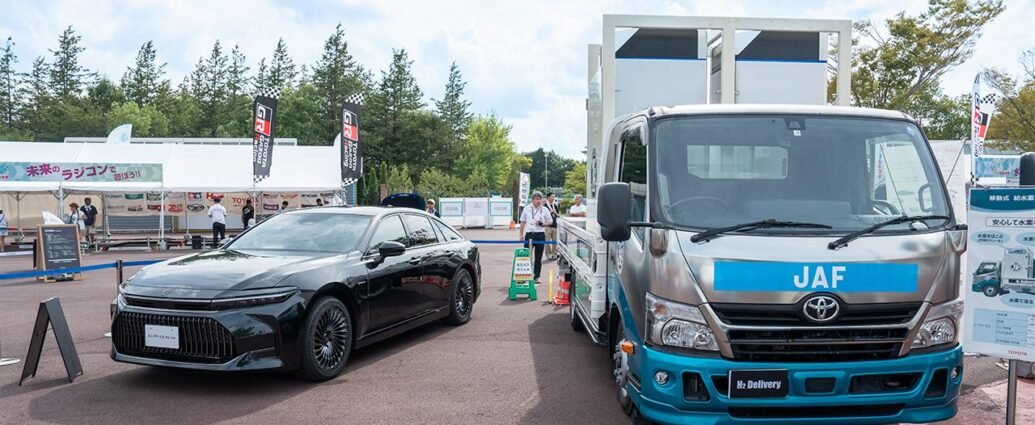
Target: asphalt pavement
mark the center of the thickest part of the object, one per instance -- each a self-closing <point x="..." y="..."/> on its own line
<point x="516" y="362"/>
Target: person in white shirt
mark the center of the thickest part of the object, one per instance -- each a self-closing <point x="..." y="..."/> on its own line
<point x="579" y="209"/>
<point x="218" y="215"/>
<point x="3" y="230"/>
<point x="534" y="219"/>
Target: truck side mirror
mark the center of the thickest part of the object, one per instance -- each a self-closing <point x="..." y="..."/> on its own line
<point x="614" y="206"/>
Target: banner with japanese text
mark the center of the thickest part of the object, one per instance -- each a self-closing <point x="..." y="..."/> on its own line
<point x="79" y="172"/>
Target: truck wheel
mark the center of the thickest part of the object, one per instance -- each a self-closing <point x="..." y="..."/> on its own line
<point x="576" y="323"/>
<point x="991" y="291"/>
<point x="619" y="368"/>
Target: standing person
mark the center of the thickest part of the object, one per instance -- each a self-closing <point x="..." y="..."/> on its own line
<point x="3" y="230"/>
<point x="579" y="209"/>
<point x="319" y="202"/>
<point x="218" y="214"/>
<point x="551" y="229"/>
<point x="431" y="208"/>
<point x="74" y="217"/>
<point x="89" y="214"/>
<point x="283" y="207"/>
<point x="534" y="219"/>
<point x="247" y="213"/>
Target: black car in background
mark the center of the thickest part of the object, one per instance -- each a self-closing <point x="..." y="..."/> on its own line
<point x="298" y="292"/>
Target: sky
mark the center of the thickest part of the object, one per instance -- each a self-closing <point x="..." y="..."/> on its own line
<point x="524" y="61"/>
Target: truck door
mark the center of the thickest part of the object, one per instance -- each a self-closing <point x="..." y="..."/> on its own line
<point x="627" y="259"/>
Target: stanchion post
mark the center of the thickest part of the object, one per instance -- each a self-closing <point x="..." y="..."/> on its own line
<point x="1011" y="393"/>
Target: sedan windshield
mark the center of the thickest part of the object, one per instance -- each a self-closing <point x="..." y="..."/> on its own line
<point x="843" y="172"/>
<point x="305" y="231"/>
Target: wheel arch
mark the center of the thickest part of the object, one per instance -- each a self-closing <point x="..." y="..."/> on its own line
<point x="347" y="297"/>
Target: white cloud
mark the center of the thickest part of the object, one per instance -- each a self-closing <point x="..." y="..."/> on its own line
<point x="524" y="60"/>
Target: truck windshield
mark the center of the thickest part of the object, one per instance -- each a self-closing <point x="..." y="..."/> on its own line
<point x="845" y="172"/>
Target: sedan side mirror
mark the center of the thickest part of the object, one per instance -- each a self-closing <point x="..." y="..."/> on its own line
<point x="391" y="249"/>
<point x="614" y="208"/>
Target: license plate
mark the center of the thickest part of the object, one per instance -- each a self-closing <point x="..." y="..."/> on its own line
<point x="162" y="336"/>
<point x="757" y="383"/>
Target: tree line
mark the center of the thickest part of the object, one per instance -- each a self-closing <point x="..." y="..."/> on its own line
<point x="441" y="148"/>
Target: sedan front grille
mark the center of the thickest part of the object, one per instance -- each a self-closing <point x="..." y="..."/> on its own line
<point x="201" y="339"/>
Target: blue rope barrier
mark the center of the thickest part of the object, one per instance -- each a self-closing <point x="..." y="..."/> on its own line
<point x="41" y="273"/>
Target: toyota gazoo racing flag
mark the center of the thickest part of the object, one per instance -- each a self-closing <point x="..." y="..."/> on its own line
<point x="264" y="111"/>
<point x="981" y="111"/>
<point x="351" y="155"/>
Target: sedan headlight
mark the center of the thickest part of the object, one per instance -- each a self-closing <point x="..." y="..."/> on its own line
<point x="940" y="328"/>
<point x="678" y="325"/>
<point x="253" y="300"/>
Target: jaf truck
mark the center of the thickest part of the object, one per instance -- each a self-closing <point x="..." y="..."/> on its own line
<point x="1015" y="273"/>
<point x="790" y="262"/>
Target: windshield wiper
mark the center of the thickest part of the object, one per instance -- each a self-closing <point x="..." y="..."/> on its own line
<point x="708" y="235"/>
<point x="843" y="241"/>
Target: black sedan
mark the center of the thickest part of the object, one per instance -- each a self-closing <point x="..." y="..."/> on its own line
<point x="298" y="292"/>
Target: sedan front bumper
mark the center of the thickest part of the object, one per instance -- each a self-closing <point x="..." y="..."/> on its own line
<point x="254" y="338"/>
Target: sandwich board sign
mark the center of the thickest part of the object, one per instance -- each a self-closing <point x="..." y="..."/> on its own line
<point x="522" y="279"/>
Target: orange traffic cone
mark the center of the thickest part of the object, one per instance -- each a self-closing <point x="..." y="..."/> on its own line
<point x="563" y="296"/>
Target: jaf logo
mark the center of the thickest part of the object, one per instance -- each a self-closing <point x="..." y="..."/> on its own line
<point x="811" y="277"/>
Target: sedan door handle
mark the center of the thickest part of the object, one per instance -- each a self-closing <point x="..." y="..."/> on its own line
<point x="416" y="260"/>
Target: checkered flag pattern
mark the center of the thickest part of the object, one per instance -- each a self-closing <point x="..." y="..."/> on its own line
<point x="348" y="182"/>
<point x="988" y="99"/>
<point x="257" y="179"/>
<point x="356" y="99"/>
<point x="270" y="92"/>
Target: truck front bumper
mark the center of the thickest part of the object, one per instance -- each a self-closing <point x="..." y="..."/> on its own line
<point x="930" y="397"/>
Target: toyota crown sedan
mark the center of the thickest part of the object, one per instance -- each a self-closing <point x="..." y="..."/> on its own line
<point x="298" y="292"/>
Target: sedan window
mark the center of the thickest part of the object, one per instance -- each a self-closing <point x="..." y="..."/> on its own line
<point x="390" y="229"/>
<point x="448" y="232"/>
<point x="421" y="232"/>
<point x="315" y="232"/>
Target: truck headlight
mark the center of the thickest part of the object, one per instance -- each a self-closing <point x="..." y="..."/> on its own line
<point x="678" y="325"/>
<point x="940" y="326"/>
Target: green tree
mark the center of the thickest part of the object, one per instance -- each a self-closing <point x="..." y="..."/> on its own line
<point x="1013" y="125"/>
<point x="454" y="111"/>
<point x="547" y="168"/>
<point x="942" y="117"/>
<point x="261" y="76"/>
<point x="487" y="152"/>
<point x="575" y="180"/>
<point x="399" y="179"/>
<point x="336" y="76"/>
<point x="282" y="71"/>
<point x="208" y="87"/>
<point x="145" y="80"/>
<point x="235" y="111"/>
<point x="67" y="76"/>
<point x="147" y="120"/>
<point x="911" y="54"/>
<point x="390" y="112"/>
<point x="37" y="98"/>
<point x="435" y="183"/>
<point x="299" y="115"/>
<point x="9" y="95"/>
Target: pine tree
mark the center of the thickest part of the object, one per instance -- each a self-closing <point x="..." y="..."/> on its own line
<point x="9" y="96"/>
<point x="336" y="76"/>
<point x="282" y="71"/>
<point x="261" y="76"/>
<point x="208" y="87"/>
<point x="236" y="73"/>
<point x="454" y="111"/>
<point x="392" y="115"/>
<point x="236" y="109"/>
<point x="35" y="92"/>
<point x="143" y="81"/>
<point x="67" y="77"/>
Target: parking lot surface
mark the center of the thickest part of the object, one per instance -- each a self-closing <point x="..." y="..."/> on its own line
<point x="516" y="362"/>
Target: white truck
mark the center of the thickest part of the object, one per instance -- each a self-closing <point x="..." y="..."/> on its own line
<point x="1015" y="273"/>
<point x="743" y="263"/>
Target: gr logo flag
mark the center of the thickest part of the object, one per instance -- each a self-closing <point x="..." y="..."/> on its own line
<point x="264" y="131"/>
<point x="351" y="149"/>
<point x="263" y="119"/>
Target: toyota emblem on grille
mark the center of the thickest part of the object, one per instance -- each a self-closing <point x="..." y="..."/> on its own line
<point x="821" y="308"/>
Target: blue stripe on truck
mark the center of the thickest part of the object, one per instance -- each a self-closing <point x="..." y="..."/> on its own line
<point x="815" y="277"/>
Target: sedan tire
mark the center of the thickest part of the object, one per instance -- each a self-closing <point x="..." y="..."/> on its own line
<point x="461" y="302"/>
<point x="327" y="340"/>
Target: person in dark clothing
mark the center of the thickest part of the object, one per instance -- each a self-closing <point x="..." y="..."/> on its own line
<point x="247" y="213"/>
<point x="89" y="217"/>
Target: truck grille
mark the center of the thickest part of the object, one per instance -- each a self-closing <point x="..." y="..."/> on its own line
<point x="202" y="339"/>
<point x="791" y="314"/>
<point x="819" y="345"/>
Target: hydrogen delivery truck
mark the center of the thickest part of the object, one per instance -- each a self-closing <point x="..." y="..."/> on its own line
<point x="757" y="255"/>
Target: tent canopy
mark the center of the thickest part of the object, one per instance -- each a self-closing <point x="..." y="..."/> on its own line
<point x="185" y="167"/>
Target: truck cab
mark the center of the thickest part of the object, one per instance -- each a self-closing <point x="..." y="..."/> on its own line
<point x="749" y="276"/>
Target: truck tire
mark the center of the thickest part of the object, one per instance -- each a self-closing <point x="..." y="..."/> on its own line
<point x="990" y="291"/>
<point x="618" y="366"/>
<point x="576" y="323"/>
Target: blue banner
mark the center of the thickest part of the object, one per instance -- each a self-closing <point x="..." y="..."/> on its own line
<point x="815" y="277"/>
<point x="1002" y="199"/>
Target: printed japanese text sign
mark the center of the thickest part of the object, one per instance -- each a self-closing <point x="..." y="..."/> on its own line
<point x="999" y="287"/>
<point x="523" y="269"/>
<point x="79" y="172"/>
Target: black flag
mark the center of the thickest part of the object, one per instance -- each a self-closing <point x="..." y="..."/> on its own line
<point x="264" y="111"/>
<point x="351" y="156"/>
